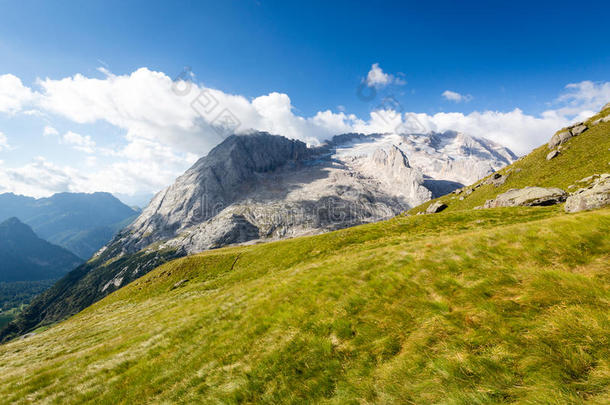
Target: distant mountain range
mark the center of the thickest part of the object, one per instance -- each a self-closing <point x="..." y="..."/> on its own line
<point x="26" y="257"/>
<point x="79" y="222"/>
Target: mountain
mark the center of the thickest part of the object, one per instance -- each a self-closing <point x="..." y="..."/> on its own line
<point x="261" y="187"/>
<point x="79" y="222"/>
<point x="466" y="305"/>
<point x="26" y="257"/>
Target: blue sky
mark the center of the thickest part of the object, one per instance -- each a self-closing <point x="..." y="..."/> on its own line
<point x="499" y="64"/>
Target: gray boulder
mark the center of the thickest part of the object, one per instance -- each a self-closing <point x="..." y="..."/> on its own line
<point x="600" y="120"/>
<point x="496" y="179"/>
<point x="528" y="196"/>
<point x="552" y="154"/>
<point x="563" y="136"/>
<point x="578" y="129"/>
<point x="436" y="207"/>
<point x="596" y="195"/>
<point x="559" y="138"/>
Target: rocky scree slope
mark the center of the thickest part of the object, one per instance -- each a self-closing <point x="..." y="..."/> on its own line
<point x="265" y="187"/>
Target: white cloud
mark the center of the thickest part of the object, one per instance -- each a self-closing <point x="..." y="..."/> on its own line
<point x="3" y="142"/>
<point x="514" y="129"/>
<point x="378" y="78"/>
<point x="167" y="125"/>
<point x="583" y="98"/>
<point x="49" y="131"/>
<point x="40" y="178"/>
<point x="13" y="94"/>
<point x="457" y="97"/>
<point x="145" y="104"/>
<point x="83" y="143"/>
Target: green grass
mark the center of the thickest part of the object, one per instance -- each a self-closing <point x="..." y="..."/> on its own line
<point x="470" y="307"/>
<point x="580" y="157"/>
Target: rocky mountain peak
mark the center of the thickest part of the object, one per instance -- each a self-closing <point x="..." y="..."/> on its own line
<point x="14" y="226"/>
<point x="263" y="179"/>
<point x="394" y="157"/>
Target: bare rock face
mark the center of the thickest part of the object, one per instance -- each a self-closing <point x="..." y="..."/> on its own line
<point x="578" y="129"/>
<point x="266" y="187"/>
<point x="391" y="167"/>
<point x="528" y="196"/>
<point x="215" y="181"/>
<point x="559" y="138"/>
<point x="595" y="195"/>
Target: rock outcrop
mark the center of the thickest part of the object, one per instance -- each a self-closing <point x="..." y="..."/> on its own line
<point x="563" y="136"/>
<point x="435" y="207"/>
<point x="595" y="195"/>
<point x="528" y="196"/>
<point x="497" y="179"/>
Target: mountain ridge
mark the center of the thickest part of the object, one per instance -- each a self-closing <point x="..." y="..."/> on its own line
<point x="79" y="222"/>
<point x="26" y="257"/>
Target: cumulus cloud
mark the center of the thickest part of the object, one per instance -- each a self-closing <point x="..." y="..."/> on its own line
<point x="518" y="131"/>
<point x="13" y="94"/>
<point x="49" y="131"/>
<point x="83" y="143"/>
<point x="457" y="97"/>
<point x="141" y="169"/>
<point x="378" y="78"/>
<point x="583" y="98"/>
<point x="167" y="124"/>
<point x="188" y="116"/>
<point x="40" y="178"/>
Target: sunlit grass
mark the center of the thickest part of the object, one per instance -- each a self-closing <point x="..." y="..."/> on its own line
<point x="508" y="305"/>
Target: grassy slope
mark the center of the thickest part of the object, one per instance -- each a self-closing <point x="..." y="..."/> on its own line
<point x="467" y="307"/>
<point x="581" y="156"/>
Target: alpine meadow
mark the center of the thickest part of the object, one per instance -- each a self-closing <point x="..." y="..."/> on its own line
<point x="264" y="202"/>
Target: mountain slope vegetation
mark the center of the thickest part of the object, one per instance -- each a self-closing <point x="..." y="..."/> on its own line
<point x="26" y="257"/>
<point x="581" y="156"/>
<point x="502" y="305"/>
<point x="28" y="266"/>
<point x="79" y="222"/>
